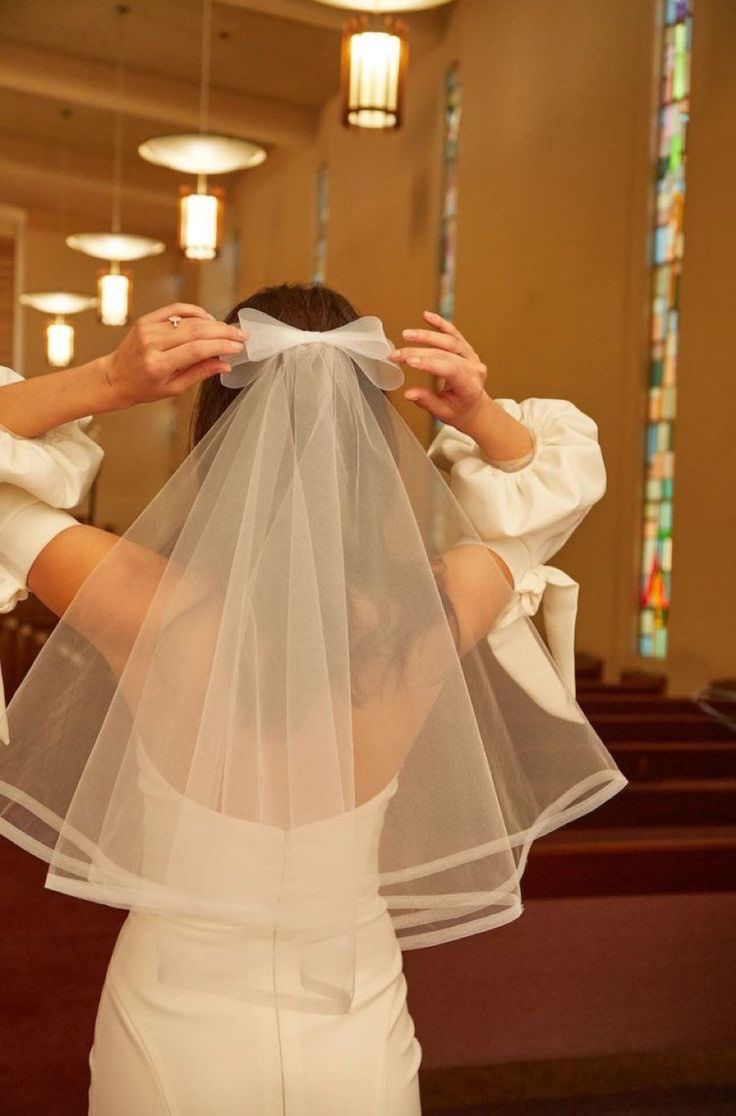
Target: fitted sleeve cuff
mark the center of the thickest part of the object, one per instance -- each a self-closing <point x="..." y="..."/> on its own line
<point x="512" y="465"/>
<point x="26" y="526"/>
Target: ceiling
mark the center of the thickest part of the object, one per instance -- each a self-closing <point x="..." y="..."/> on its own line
<point x="251" y="52"/>
<point x="274" y="65"/>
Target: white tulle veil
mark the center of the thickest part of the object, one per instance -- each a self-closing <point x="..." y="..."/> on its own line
<point x="269" y="658"/>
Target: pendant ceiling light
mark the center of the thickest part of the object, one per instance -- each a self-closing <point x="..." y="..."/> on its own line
<point x="115" y="246"/>
<point x="374" y="59"/>
<point x="114" y="285"/>
<point x="202" y="153"/>
<point x="384" y="5"/>
<point x="59" y="304"/>
<point x="59" y="332"/>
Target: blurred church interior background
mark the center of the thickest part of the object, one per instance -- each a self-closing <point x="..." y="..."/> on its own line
<point x="557" y="176"/>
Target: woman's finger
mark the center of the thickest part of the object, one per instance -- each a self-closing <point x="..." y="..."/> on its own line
<point x="450" y="342"/>
<point x="193" y="352"/>
<point x="178" y="309"/>
<point x="429" y="401"/>
<point x="436" y="340"/>
<point x="194" y="329"/>
<point x="435" y="362"/>
<point x="408" y="356"/>
<point x="448" y="328"/>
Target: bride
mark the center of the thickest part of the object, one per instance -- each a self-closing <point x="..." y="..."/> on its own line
<point x="296" y="718"/>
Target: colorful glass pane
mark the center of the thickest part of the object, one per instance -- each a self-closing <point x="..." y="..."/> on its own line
<point x="448" y="219"/>
<point x="322" y="213"/>
<point x="667" y="250"/>
<point x="447" y="241"/>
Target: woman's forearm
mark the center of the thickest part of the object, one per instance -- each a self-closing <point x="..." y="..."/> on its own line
<point x="162" y="354"/>
<point x="500" y="436"/>
<point x="32" y="407"/>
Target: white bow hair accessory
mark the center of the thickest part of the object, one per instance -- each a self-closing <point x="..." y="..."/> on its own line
<point x="364" y="340"/>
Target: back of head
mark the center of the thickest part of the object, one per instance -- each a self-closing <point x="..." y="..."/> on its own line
<point x="304" y="306"/>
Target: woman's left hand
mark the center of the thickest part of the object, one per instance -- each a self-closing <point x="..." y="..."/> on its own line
<point x="450" y="356"/>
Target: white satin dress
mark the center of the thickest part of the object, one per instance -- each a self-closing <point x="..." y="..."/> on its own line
<point x="162" y="1049"/>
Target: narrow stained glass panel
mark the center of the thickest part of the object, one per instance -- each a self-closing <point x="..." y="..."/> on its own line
<point x="667" y="250"/>
<point x="321" y="217"/>
<point x="448" y="218"/>
<point x="447" y="245"/>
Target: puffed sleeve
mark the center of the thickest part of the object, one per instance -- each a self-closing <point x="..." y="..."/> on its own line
<point x="58" y="466"/>
<point x="26" y="526"/>
<point x="526" y="511"/>
<point x="39" y="477"/>
<point x="539" y="499"/>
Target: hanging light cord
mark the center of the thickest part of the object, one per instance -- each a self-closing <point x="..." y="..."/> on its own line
<point x="204" y="84"/>
<point x="62" y="158"/>
<point x="117" y="174"/>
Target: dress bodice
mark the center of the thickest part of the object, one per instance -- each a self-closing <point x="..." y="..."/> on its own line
<point x="245" y="869"/>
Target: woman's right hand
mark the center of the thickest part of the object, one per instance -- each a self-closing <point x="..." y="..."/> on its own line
<point x="452" y="357"/>
<point x="156" y="360"/>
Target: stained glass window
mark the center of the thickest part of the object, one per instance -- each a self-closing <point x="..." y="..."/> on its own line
<point x="322" y="213"/>
<point x="666" y="255"/>
<point x="448" y="216"/>
<point x="448" y="221"/>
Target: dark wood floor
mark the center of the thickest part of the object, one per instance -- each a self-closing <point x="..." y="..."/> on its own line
<point x="701" y="1101"/>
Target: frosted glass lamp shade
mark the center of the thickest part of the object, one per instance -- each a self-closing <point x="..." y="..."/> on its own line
<point x="384" y="5"/>
<point x="57" y="302"/>
<point x="113" y="297"/>
<point x="200" y="222"/>
<point x="59" y="343"/>
<point x="374" y="59"/>
<point x="202" y="153"/>
<point x="115" y="246"/>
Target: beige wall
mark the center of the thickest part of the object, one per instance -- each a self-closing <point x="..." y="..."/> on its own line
<point x="555" y="167"/>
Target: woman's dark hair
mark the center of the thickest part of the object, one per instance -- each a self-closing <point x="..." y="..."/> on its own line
<point x="312" y="307"/>
<point x="304" y="306"/>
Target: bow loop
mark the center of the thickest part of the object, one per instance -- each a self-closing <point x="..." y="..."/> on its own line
<point x="363" y="339"/>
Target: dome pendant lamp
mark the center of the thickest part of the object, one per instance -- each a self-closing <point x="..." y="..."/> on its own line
<point x="114" y="285"/>
<point x="201" y="208"/>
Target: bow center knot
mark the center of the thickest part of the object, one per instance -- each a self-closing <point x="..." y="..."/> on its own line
<point x="531" y="587"/>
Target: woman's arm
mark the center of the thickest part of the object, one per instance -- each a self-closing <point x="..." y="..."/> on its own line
<point x="65" y="562"/>
<point x="119" y="589"/>
<point x="30" y="408"/>
<point x="477" y="593"/>
<point x="153" y="361"/>
<point x="131" y="597"/>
